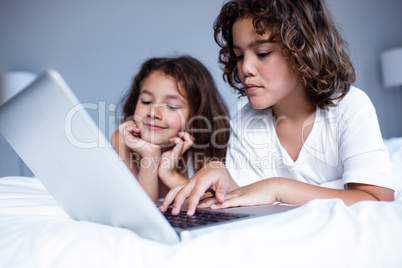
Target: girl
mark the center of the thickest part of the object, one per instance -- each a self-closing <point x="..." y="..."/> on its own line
<point x="305" y="126"/>
<point x="173" y="105"/>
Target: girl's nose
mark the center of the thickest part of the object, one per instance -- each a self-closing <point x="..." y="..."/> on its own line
<point x="156" y="111"/>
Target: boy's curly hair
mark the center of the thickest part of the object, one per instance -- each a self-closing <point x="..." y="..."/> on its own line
<point x="304" y="28"/>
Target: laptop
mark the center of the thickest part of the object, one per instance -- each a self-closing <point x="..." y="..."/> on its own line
<point x="55" y="136"/>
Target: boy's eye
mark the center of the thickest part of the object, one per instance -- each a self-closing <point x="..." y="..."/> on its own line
<point x="263" y="54"/>
<point x="239" y="57"/>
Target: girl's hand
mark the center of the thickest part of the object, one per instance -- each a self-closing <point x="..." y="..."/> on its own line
<point x="170" y="159"/>
<point x="132" y="138"/>
<point x="258" y="193"/>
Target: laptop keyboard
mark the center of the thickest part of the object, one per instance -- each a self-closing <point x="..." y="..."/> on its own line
<point x="200" y="218"/>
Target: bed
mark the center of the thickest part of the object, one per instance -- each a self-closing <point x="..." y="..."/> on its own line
<point x="36" y="232"/>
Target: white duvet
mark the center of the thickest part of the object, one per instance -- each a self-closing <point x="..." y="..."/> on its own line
<point x="36" y="232"/>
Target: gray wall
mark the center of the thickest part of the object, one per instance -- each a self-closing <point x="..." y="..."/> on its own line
<point x="98" y="45"/>
<point x="370" y="27"/>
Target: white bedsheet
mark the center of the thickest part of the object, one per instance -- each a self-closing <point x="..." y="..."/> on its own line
<point x="36" y="232"/>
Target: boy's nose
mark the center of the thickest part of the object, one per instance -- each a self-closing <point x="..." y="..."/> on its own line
<point x="248" y="68"/>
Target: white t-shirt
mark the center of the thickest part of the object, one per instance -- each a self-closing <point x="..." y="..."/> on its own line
<point x="345" y="144"/>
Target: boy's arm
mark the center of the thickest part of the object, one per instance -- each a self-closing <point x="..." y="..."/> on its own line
<point x="299" y="193"/>
<point x="215" y="177"/>
<point x="294" y="192"/>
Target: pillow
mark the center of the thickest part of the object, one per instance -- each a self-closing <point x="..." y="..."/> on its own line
<point x="395" y="151"/>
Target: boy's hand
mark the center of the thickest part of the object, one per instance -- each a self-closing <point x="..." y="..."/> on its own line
<point x="212" y="177"/>
<point x="258" y="193"/>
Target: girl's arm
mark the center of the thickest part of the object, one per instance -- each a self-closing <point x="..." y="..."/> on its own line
<point x="147" y="173"/>
<point x="148" y="176"/>
<point x="124" y="152"/>
<point x="170" y="159"/>
<point x="174" y="180"/>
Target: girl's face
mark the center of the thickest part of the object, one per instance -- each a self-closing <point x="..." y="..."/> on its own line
<point x="161" y="112"/>
<point x="267" y="76"/>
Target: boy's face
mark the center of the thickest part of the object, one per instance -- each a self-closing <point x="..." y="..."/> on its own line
<point x="266" y="74"/>
<point x="161" y="112"/>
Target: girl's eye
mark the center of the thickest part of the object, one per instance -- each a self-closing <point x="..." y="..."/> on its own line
<point x="173" y="107"/>
<point x="146" y="102"/>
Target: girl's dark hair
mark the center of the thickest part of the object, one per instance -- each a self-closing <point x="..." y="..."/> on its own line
<point x="305" y="28"/>
<point x="209" y="118"/>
